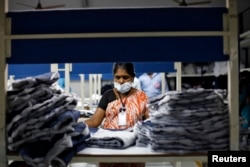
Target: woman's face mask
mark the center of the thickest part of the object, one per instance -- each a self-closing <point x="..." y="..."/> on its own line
<point x="123" y="88"/>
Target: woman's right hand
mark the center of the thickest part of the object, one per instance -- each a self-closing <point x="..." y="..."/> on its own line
<point x="96" y="120"/>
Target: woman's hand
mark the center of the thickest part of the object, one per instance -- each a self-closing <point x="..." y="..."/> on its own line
<point x="96" y="120"/>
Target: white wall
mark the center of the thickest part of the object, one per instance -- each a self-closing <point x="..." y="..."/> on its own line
<point x="138" y="3"/>
<point x="76" y="86"/>
<point x="68" y="3"/>
<point x="104" y="3"/>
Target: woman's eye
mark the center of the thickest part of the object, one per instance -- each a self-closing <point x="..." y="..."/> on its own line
<point x="117" y="77"/>
<point x="125" y="77"/>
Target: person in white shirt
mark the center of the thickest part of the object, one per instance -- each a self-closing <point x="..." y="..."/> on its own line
<point x="151" y="84"/>
<point x="136" y="84"/>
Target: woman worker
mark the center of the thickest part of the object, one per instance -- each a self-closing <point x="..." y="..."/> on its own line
<point x="122" y="106"/>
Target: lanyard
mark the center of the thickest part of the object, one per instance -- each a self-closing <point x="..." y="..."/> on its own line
<point x="123" y="108"/>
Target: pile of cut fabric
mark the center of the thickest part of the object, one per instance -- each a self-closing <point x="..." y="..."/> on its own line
<point x="42" y="123"/>
<point x="194" y="120"/>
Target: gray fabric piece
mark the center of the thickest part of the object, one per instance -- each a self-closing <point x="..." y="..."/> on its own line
<point x="54" y="147"/>
<point x="111" y="139"/>
<point x="187" y="121"/>
<point x="58" y="147"/>
<point x="30" y="115"/>
<point x="37" y="95"/>
<point x="54" y="112"/>
<point x="28" y="82"/>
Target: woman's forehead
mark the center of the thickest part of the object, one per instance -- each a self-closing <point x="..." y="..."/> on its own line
<point x="121" y="71"/>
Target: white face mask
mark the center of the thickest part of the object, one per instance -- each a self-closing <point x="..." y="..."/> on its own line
<point x="123" y="88"/>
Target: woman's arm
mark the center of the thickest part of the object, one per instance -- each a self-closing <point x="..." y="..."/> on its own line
<point x="146" y="115"/>
<point x="96" y="119"/>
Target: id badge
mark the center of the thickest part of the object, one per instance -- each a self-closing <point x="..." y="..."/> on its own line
<point x="122" y="119"/>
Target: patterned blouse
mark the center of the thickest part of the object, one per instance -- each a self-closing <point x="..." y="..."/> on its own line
<point x="134" y="103"/>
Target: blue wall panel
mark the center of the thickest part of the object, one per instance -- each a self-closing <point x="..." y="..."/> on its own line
<point x="27" y="70"/>
<point x="106" y="69"/>
<point x="118" y="20"/>
<point x="147" y="49"/>
<point x="141" y="49"/>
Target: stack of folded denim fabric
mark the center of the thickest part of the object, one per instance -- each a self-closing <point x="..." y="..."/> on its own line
<point x="194" y="120"/>
<point x="42" y="123"/>
<point x="110" y="138"/>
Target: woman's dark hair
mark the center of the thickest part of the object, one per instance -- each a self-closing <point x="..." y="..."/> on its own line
<point x="129" y="67"/>
<point x="106" y="87"/>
